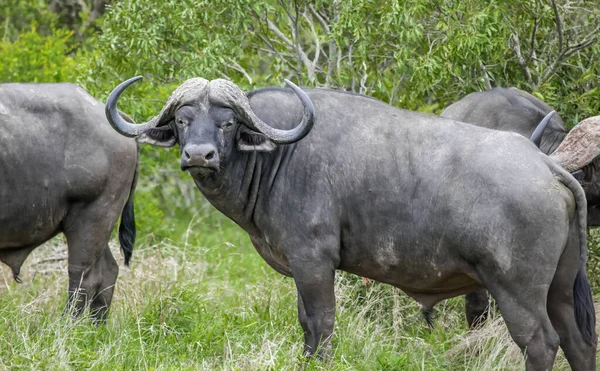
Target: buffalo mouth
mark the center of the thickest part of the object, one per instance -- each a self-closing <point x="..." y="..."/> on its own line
<point x="199" y="169"/>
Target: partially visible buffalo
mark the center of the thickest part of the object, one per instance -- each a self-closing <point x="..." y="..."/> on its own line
<point x="511" y="109"/>
<point x="64" y="169"/>
<point x="433" y="206"/>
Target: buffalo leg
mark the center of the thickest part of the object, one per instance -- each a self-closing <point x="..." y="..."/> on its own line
<point x="524" y="311"/>
<point x="92" y="269"/>
<point x="476" y="308"/>
<point x="109" y="271"/>
<point x="316" y="309"/>
<point x="579" y="353"/>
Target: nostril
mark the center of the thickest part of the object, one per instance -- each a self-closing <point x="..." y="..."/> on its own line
<point x="187" y="155"/>
<point x="209" y="155"/>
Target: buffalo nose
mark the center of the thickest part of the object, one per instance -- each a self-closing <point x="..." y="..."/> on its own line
<point x="202" y="155"/>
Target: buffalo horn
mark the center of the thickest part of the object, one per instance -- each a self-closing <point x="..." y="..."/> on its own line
<point x="536" y="137"/>
<point x="227" y="93"/>
<point x="114" y="118"/>
<point x="580" y="146"/>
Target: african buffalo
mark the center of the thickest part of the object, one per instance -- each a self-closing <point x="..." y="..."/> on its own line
<point x="511" y="109"/>
<point x="435" y="207"/>
<point x="64" y="169"/>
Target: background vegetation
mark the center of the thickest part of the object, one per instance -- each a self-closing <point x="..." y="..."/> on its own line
<point x="197" y="295"/>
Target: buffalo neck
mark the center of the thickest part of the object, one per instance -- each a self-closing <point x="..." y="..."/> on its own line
<point x="240" y="190"/>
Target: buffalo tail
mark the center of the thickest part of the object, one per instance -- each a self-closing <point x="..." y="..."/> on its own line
<point x="127" y="226"/>
<point x="585" y="315"/>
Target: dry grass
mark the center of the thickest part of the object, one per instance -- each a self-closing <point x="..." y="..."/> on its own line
<point x="219" y="307"/>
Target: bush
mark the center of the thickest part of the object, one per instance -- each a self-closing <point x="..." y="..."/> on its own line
<point x="593" y="262"/>
<point x="36" y="58"/>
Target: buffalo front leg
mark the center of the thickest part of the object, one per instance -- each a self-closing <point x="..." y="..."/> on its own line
<point x="316" y="308"/>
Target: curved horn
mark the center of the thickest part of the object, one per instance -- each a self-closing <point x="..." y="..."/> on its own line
<point x="536" y="137"/>
<point x="288" y="136"/>
<point x="297" y="133"/>
<point x="229" y="94"/>
<point x="580" y="146"/>
<point x="114" y="118"/>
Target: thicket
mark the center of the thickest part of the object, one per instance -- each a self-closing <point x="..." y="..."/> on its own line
<point x="416" y="55"/>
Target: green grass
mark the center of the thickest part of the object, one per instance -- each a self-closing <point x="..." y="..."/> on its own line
<point x="206" y="301"/>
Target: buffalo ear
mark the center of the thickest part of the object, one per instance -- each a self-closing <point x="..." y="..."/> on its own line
<point x="162" y="137"/>
<point x="250" y="140"/>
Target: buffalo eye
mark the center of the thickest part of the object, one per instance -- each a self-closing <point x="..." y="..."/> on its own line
<point x="228" y="124"/>
<point x="180" y="122"/>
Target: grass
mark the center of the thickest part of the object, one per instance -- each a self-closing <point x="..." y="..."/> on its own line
<point x="207" y="301"/>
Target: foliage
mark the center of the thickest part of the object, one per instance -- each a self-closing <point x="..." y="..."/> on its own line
<point x="198" y="296"/>
<point x="79" y="16"/>
<point x="36" y="58"/>
<point x="593" y="262"/>
<point x="418" y="56"/>
<point x="166" y="40"/>
<point x="18" y="15"/>
<point x="425" y="55"/>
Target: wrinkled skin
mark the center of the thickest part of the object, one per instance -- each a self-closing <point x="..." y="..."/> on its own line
<point x="511" y="109"/>
<point x="64" y="170"/>
<point x="432" y="206"/>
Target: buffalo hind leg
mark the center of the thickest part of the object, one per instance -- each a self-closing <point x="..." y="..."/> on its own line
<point x="109" y="270"/>
<point x="477" y="306"/>
<point x="92" y="268"/>
<point x="524" y="311"/>
<point x="316" y="308"/>
<point x="580" y="353"/>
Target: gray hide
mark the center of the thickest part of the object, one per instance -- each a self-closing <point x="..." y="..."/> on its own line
<point x="64" y="169"/>
<point x="435" y="207"/>
<point x="511" y="109"/>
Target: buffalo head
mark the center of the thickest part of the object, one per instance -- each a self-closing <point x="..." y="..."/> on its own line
<point x="578" y="153"/>
<point x="209" y="120"/>
<point x="580" y="146"/>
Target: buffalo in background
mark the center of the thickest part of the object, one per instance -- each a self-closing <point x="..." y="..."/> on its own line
<point x="64" y="169"/>
<point x="511" y="109"/>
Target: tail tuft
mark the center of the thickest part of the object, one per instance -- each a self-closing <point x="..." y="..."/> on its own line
<point x="127" y="226"/>
<point x="127" y="230"/>
<point x="585" y="315"/>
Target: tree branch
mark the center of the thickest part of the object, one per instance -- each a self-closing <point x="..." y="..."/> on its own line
<point x="236" y="66"/>
<point x="278" y="32"/>
<point x="584" y="43"/>
<point x="316" y="37"/>
<point x="516" y="47"/>
<point x="486" y="77"/>
<point x="320" y="19"/>
<point x="279" y="55"/>
<point x="98" y="8"/>
<point x="587" y="41"/>
<point x="559" y="29"/>
<point x="332" y="44"/>
<point x="532" y="43"/>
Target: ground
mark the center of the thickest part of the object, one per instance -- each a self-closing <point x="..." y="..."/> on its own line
<point x="207" y="301"/>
